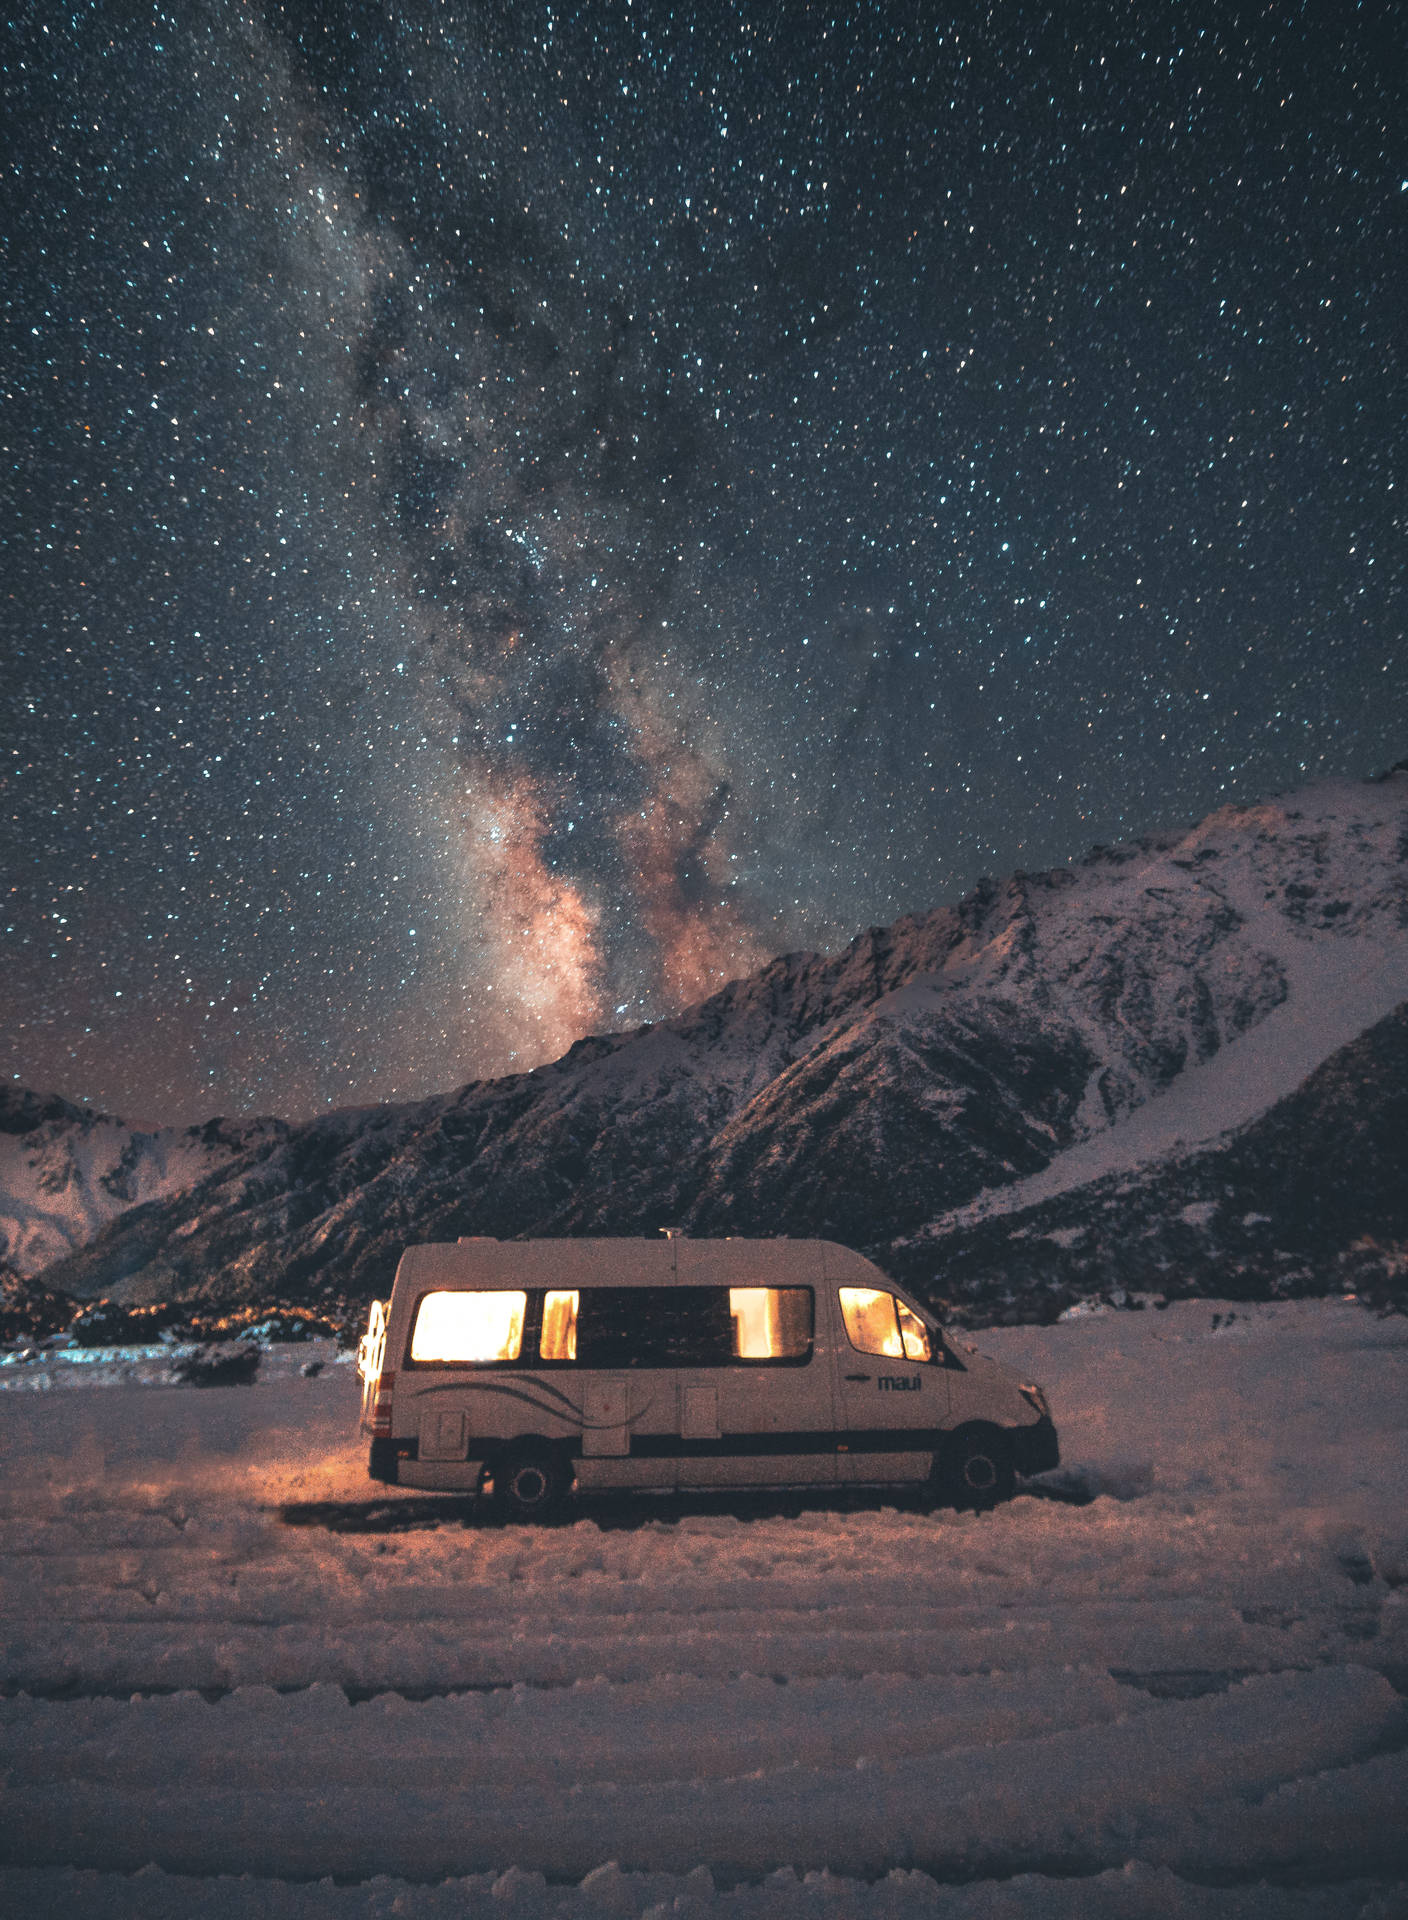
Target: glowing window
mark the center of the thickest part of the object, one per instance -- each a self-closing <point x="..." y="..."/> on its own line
<point x="871" y="1323"/>
<point x="770" y="1323"/>
<point x="469" y="1326"/>
<point x="558" y="1340"/>
<point x="914" y="1333"/>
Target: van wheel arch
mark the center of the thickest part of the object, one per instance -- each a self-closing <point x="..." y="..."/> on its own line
<point x="532" y="1477"/>
<point x="975" y="1471"/>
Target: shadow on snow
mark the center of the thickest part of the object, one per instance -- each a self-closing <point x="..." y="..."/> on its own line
<point x="629" y="1512"/>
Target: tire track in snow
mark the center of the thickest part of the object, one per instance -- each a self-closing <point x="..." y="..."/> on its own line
<point x="524" y="1737"/>
<point x="1075" y="1799"/>
<point x="555" y="1644"/>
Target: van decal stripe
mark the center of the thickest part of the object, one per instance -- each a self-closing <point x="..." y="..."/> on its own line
<point x="575" y="1412"/>
<point x="469" y="1384"/>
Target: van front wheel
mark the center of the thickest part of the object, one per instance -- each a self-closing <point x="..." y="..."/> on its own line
<point x="977" y="1473"/>
<point x="530" y="1483"/>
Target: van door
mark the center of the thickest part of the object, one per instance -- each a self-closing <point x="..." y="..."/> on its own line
<point x="764" y="1414"/>
<point x="892" y="1385"/>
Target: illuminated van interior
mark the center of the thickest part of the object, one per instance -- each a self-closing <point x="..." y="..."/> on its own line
<point x="770" y="1323"/>
<point x="559" y="1336"/>
<point x="461" y="1327"/>
<point x="878" y="1323"/>
<point x="701" y="1326"/>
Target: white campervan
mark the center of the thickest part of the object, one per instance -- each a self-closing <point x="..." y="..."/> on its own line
<point x="677" y="1363"/>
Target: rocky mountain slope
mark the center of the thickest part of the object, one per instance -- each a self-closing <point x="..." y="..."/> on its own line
<point x="66" y="1171"/>
<point x="1310" y="1197"/>
<point x="1003" y="1082"/>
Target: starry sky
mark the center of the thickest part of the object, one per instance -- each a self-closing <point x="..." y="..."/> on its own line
<point x="514" y="513"/>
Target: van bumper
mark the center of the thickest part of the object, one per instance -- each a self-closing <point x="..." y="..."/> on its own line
<point x="386" y="1457"/>
<point x="1035" y="1449"/>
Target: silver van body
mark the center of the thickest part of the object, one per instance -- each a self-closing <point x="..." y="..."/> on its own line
<point x="673" y="1363"/>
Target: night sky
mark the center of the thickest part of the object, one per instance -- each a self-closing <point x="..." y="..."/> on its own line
<point x="514" y="513"/>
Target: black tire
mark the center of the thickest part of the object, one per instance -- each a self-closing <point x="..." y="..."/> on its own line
<point x="977" y="1472"/>
<point x="530" y="1483"/>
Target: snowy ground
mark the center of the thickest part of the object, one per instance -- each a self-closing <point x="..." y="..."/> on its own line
<point x="1169" y="1682"/>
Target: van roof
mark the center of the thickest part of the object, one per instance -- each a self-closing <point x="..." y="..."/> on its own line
<point x="632" y="1262"/>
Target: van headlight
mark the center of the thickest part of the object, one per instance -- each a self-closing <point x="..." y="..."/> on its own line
<point x="1034" y="1395"/>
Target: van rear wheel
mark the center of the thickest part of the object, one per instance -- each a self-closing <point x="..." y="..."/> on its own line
<point x="977" y="1472"/>
<point x="530" y="1483"/>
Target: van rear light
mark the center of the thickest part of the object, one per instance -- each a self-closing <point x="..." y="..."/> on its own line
<point x="381" y="1407"/>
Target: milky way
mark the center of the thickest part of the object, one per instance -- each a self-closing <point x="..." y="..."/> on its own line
<point x="513" y="516"/>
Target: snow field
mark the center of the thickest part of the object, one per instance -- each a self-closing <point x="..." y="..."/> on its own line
<point x="1133" y="1892"/>
<point x="1196" y="1676"/>
<point x="295" y="1778"/>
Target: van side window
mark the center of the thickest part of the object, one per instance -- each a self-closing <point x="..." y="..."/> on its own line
<point x="878" y="1323"/>
<point x="614" y="1327"/>
<point x="654" y="1327"/>
<point x="558" y="1339"/>
<point x="771" y="1323"/>
<point x="459" y="1327"/>
<point x="914" y="1333"/>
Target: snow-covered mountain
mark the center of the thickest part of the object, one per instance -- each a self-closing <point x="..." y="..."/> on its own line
<point x="1309" y="1196"/>
<point x="66" y="1171"/>
<point x="955" y="1094"/>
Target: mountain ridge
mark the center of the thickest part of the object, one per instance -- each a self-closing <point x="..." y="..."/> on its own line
<point x="890" y="1095"/>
